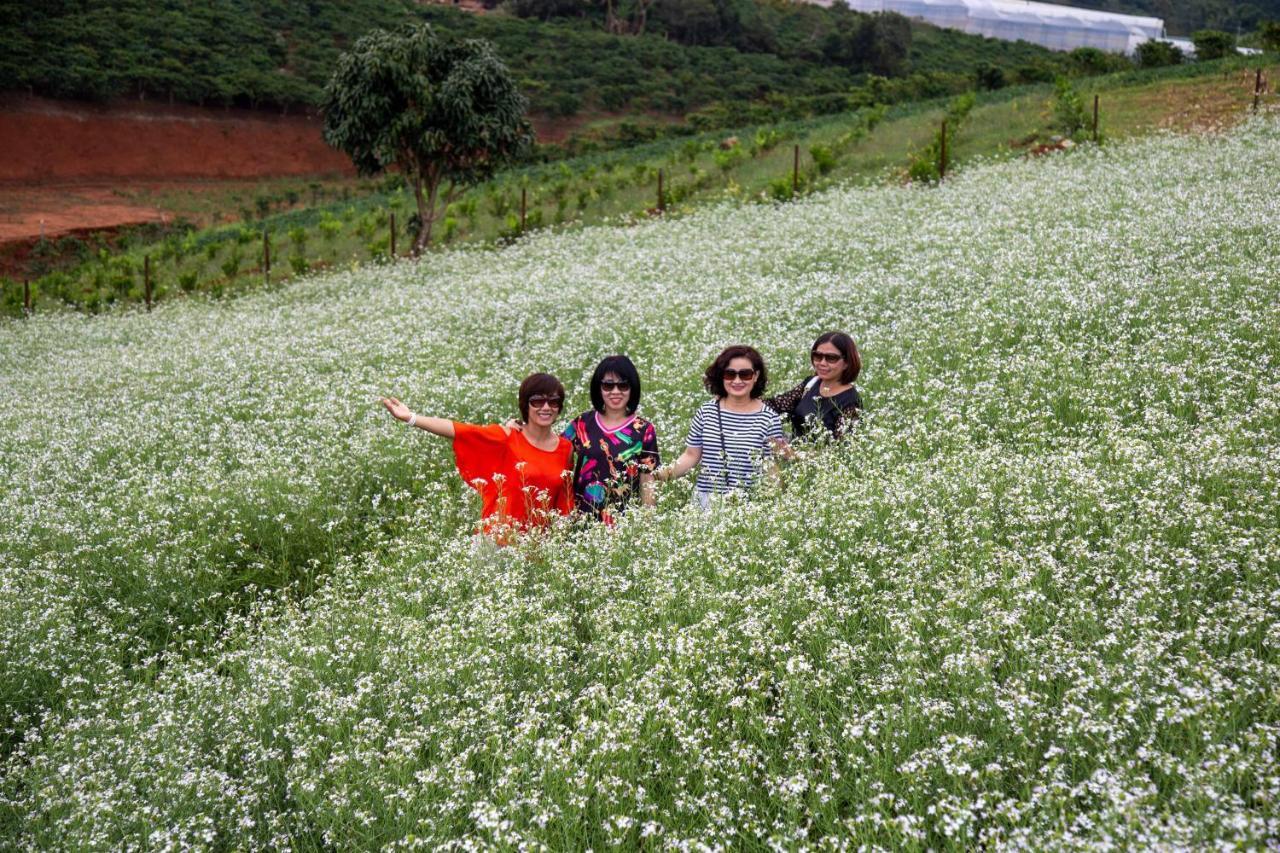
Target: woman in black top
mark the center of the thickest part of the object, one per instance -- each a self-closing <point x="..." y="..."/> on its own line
<point x="827" y="398"/>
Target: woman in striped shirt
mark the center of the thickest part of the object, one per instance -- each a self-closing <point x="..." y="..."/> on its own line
<point x="734" y="435"/>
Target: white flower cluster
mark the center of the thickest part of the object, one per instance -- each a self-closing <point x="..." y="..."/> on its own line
<point x="1032" y="603"/>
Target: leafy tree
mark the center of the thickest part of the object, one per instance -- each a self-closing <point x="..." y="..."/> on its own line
<point x="1156" y="53"/>
<point x="1213" y="44"/>
<point x="1269" y="34"/>
<point x="989" y="77"/>
<point x="446" y="113"/>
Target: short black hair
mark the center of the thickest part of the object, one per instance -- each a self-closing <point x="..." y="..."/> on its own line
<point x="852" y="358"/>
<point x="626" y="371"/>
<point x="538" y="383"/>
<point x="713" y="379"/>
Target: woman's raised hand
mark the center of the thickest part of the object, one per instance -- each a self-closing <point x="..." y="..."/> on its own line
<point x="398" y="410"/>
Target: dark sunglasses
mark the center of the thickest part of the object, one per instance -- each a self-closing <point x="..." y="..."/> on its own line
<point x="540" y="401"/>
<point x="610" y="385"/>
<point x="746" y="374"/>
<point x="828" y="357"/>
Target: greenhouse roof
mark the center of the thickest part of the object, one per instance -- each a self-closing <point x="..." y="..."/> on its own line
<point x="1047" y="24"/>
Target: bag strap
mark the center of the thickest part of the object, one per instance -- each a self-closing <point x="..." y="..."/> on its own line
<point x="724" y="452"/>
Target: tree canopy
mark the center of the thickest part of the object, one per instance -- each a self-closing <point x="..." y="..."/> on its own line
<point x="445" y="112"/>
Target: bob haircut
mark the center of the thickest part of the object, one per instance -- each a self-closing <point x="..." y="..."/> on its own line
<point x="713" y="379"/>
<point x="626" y="371"/>
<point x="539" y="383"/>
<point x="844" y="343"/>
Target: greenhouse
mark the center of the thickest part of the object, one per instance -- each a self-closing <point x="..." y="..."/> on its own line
<point x="1056" y="27"/>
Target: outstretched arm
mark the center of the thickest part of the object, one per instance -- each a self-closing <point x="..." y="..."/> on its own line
<point x="691" y="457"/>
<point x="436" y="426"/>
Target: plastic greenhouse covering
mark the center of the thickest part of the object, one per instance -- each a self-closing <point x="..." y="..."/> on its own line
<point x="1057" y="27"/>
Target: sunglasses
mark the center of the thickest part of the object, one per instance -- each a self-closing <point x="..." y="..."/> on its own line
<point x="541" y="401"/>
<point x="746" y="374"/>
<point x="828" y="357"/>
<point x="610" y="385"/>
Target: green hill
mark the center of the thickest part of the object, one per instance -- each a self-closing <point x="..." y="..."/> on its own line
<point x="871" y="143"/>
<point x="274" y="53"/>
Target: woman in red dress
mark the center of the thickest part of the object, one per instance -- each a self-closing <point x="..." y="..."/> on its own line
<point x="524" y="477"/>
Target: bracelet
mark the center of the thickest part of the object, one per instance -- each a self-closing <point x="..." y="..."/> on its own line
<point x="413" y="419"/>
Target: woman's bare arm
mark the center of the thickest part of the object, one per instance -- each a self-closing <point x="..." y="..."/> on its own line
<point x="691" y="457"/>
<point x="436" y="426"/>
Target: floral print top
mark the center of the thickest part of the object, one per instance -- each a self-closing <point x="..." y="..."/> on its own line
<point x="607" y="463"/>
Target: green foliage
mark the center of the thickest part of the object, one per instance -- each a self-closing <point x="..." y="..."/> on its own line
<point x="1068" y="115"/>
<point x="728" y="158"/>
<point x="299" y="264"/>
<point x="926" y="164"/>
<point x="231" y="264"/>
<point x="1213" y="44"/>
<point x="1269" y="35"/>
<point x="443" y="111"/>
<point x="256" y="53"/>
<point x="1091" y="61"/>
<point x="824" y="158"/>
<point x="1156" y="54"/>
<point x="330" y="227"/>
<point x="990" y="77"/>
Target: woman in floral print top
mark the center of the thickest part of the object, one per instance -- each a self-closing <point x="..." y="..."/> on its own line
<point x="615" y="450"/>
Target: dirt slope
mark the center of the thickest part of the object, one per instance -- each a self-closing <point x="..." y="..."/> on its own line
<point x="65" y="140"/>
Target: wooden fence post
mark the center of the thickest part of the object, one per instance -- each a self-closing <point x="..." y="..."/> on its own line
<point x="26" y="297"/>
<point x="795" y="171"/>
<point x="1095" y="119"/>
<point x="146" y="280"/>
<point x="266" y="256"/>
<point x="942" y="151"/>
<point x="662" y="204"/>
<point x="393" y="235"/>
<point x="524" y="202"/>
<point x="1257" y="88"/>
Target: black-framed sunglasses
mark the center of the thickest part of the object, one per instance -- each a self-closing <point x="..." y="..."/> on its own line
<point x="610" y="385"/>
<point x="746" y="374"/>
<point x="828" y="357"/>
<point x="541" y="401"/>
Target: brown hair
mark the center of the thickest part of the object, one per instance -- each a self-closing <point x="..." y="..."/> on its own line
<point x="539" y="383"/>
<point x="713" y="379"/>
<point x="848" y="349"/>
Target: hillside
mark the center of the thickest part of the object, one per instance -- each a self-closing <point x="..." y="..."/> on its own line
<point x="868" y="144"/>
<point x="1031" y="604"/>
<point x="254" y="53"/>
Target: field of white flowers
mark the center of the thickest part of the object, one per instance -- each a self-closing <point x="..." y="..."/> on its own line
<point x="1034" y="602"/>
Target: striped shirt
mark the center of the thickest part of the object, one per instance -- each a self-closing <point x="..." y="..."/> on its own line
<point x="733" y="460"/>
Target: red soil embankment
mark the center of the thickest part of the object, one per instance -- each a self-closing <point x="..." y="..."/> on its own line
<point x="45" y="140"/>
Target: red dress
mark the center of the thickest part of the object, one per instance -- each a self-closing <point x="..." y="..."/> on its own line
<point x="520" y="485"/>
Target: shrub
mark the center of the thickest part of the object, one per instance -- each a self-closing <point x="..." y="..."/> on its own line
<point x="1068" y="114"/>
<point x="231" y="264"/>
<point x="330" y="226"/>
<point x="989" y="77"/>
<point x="1213" y="44"/>
<point x="824" y="159"/>
<point x="1156" y="53"/>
